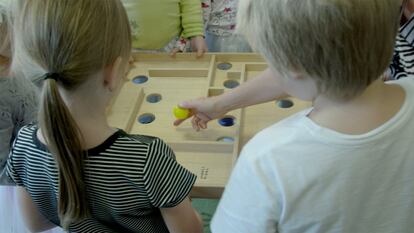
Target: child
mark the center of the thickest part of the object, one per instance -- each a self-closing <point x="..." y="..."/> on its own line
<point x="220" y="22"/>
<point x="402" y="64"/>
<point x="344" y="165"/>
<point x="166" y="26"/>
<point x="18" y="106"/>
<point x="73" y="169"/>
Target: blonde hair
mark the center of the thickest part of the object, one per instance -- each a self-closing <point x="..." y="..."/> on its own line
<point x="343" y="45"/>
<point x="73" y="39"/>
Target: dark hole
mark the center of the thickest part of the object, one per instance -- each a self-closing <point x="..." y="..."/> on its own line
<point x="285" y="103"/>
<point x="146" y="118"/>
<point x="140" y="79"/>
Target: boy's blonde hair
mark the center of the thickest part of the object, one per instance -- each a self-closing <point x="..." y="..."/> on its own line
<point x="72" y="40"/>
<point x="344" y="45"/>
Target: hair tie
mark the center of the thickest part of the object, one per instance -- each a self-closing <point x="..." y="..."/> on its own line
<point x="54" y="76"/>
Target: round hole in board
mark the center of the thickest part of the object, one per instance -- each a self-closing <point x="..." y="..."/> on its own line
<point x="227" y="121"/>
<point x="225" y="139"/>
<point x="154" y="98"/>
<point x="231" y="83"/>
<point x="146" y="118"/>
<point x="285" y="103"/>
<point x="140" y="79"/>
<point x="224" y="66"/>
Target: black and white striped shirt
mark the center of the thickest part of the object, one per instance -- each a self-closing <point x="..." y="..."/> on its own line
<point x="402" y="64"/>
<point x="128" y="178"/>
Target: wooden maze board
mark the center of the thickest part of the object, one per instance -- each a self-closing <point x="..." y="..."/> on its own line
<point x="158" y="82"/>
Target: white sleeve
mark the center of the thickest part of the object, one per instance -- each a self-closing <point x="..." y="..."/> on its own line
<point x="250" y="202"/>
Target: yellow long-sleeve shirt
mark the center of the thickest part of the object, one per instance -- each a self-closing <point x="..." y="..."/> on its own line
<point x="154" y="23"/>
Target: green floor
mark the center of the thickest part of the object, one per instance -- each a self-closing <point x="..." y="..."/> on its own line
<point x="206" y="208"/>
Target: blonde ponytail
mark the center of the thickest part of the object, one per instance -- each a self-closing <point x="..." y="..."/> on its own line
<point x="63" y="138"/>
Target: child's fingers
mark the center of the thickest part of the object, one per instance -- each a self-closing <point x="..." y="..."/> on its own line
<point x="200" y="52"/>
<point x="194" y="122"/>
<point x="178" y="122"/>
<point x="174" y="52"/>
<point x="203" y="48"/>
<point x="203" y="125"/>
<point x="203" y="117"/>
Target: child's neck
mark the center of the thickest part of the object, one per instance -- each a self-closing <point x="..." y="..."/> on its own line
<point x="375" y="106"/>
<point x="88" y="111"/>
<point x="92" y="121"/>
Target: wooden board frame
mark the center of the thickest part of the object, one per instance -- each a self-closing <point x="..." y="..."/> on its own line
<point x="158" y="82"/>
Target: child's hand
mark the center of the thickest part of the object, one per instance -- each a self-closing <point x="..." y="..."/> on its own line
<point x="198" y="44"/>
<point x="203" y="110"/>
<point x="180" y="46"/>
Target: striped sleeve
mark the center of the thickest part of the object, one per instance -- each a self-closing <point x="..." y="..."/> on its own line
<point x="402" y="64"/>
<point x="166" y="182"/>
<point x="407" y="31"/>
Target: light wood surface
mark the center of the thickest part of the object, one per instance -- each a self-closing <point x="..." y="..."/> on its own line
<point x="173" y="80"/>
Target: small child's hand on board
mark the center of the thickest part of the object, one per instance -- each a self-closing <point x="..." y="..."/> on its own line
<point x="198" y="44"/>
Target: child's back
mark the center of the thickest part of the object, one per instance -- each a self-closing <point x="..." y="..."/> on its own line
<point x="127" y="177"/>
<point x="344" y="165"/>
<point x="297" y="176"/>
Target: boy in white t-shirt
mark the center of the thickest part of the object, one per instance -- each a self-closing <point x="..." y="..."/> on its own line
<point x="346" y="164"/>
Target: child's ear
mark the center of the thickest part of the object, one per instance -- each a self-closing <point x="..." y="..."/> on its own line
<point x="112" y="74"/>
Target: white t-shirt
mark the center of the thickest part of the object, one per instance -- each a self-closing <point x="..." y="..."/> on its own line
<point x="296" y="176"/>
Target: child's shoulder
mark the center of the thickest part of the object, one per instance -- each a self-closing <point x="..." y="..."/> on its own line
<point x="28" y="129"/>
<point x="147" y="145"/>
<point x="406" y="82"/>
<point x="26" y="135"/>
<point x="138" y="138"/>
<point x="279" y="135"/>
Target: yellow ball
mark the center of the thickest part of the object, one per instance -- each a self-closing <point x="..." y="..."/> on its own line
<point x="181" y="113"/>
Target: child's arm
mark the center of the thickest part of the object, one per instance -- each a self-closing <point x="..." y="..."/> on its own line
<point x="34" y="220"/>
<point x="182" y="218"/>
<point x="192" y="23"/>
<point x="168" y="185"/>
<point x="261" y="89"/>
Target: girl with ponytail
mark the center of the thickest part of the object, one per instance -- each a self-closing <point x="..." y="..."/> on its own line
<point x="75" y="171"/>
